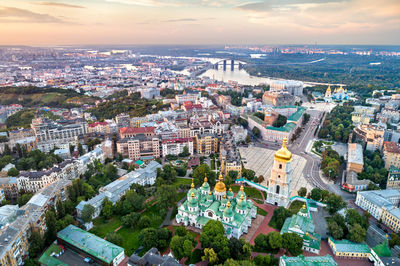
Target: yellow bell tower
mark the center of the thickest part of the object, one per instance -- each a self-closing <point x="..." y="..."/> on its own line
<point x="280" y="180"/>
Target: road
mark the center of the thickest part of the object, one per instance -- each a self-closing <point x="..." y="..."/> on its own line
<point x="313" y="162"/>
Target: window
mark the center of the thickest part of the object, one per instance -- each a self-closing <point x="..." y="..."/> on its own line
<point x="277" y="189"/>
<point x="280" y="166"/>
<point x="210" y="214"/>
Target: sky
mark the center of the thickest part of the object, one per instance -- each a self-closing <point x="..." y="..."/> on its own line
<point x="125" y="22"/>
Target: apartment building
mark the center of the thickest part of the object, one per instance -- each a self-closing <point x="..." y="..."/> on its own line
<point x="123" y="120"/>
<point x="33" y="181"/>
<point x="187" y="97"/>
<point x="9" y="185"/>
<point x="206" y="144"/>
<point x="362" y="114"/>
<point x="139" y="146"/>
<point x="102" y="127"/>
<point x="130" y="132"/>
<point x="14" y="237"/>
<point x="393" y="180"/>
<point x="176" y="146"/>
<point x="391" y="154"/>
<point x="50" y="134"/>
<point x="371" y="135"/>
<point x="278" y="98"/>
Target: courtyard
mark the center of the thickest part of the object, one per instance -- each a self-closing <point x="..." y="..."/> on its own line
<point x="260" y="160"/>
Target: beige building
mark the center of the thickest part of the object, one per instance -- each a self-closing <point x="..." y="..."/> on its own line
<point x="391" y="154"/>
<point x="140" y="146"/>
<point x="371" y="135"/>
<point x="355" y="160"/>
<point x="391" y="218"/>
<point x="278" y="98"/>
<point x="206" y="144"/>
<point x="393" y="180"/>
<point x="130" y="132"/>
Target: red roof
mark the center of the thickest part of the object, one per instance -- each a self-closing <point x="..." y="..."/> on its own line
<point x="95" y="124"/>
<point x="136" y="130"/>
<point x="392" y="147"/>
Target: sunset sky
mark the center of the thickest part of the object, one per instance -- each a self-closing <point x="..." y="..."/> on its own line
<point x="71" y="22"/>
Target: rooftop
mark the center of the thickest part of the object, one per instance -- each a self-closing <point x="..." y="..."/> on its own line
<point x="136" y="130"/>
<point x="355" y="153"/>
<point x="348" y="246"/>
<point x="90" y="243"/>
<point x="301" y="260"/>
<point x="392" y="147"/>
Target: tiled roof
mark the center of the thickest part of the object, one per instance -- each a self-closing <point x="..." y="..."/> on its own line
<point x="348" y="246"/>
<point x="392" y="147"/>
<point x="136" y="130"/>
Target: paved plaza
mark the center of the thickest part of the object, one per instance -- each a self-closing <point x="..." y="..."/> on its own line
<point x="260" y="160"/>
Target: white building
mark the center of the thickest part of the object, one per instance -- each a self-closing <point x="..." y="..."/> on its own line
<point x="116" y="189"/>
<point x="239" y="133"/>
<point x="88" y="158"/>
<point x="33" y="181"/>
<point x="176" y="146"/>
<point x="292" y="86"/>
<point x="187" y="97"/>
<point x="374" y="201"/>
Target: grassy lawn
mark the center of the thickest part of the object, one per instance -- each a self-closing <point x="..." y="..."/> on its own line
<point x="250" y="192"/>
<point x="130" y="239"/>
<point x="261" y="212"/>
<point x="101" y="226"/>
<point x="259" y="201"/>
<point x="182" y="181"/>
<point x="295" y="206"/>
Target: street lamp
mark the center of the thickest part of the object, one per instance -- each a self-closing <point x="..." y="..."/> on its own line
<point x="330" y="173"/>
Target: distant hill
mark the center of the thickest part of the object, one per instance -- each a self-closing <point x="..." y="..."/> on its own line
<point x="39" y="97"/>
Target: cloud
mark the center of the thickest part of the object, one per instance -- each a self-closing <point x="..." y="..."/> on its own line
<point x="180" y="20"/>
<point x="182" y="3"/>
<point x="56" y="4"/>
<point x="18" y="15"/>
<point x="271" y="5"/>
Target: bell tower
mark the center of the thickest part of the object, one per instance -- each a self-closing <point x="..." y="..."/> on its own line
<point x="280" y="180"/>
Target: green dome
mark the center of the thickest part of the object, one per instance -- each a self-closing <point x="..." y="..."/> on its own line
<point x="210" y="197"/>
<point x="241" y="205"/>
<point x="228" y="210"/>
<point x="224" y="201"/>
<point x="229" y="193"/>
<point x="193" y="201"/>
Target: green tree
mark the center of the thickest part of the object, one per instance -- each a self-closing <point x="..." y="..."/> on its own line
<point x="13" y="172"/>
<point x="210" y="232"/>
<point x="316" y="194"/>
<point x="180" y="231"/>
<point x="293" y="243"/>
<point x="200" y="172"/>
<point x="166" y="196"/>
<point x="87" y="213"/>
<point x="279" y="217"/>
<point x="248" y="138"/>
<point x="275" y="240"/>
<point x="107" y="208"/>
<point x="144" y="222"/>
<point x="261" y="243"/>
<point x="114" y="238"/>
<point x="60" y="209"/>
<point x="210" y="256"/>
<point x="334" y="203"/>
<point x="302" y="192"/>
<point x="357" y="233"/>
<point x="256" y="132"/>
<point x="24" y="198"/>
<point x="36" y="244"/>
<point x="130" y="220"/>
<point x="187" y="248"/>
<point x="51" y="225"/>
<point x="335" y="230"/>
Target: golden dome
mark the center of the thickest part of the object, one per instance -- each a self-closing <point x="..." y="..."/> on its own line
<point x="209" y="192"/>
<point x="304" y="206"/>
<point x="329" y="88"/>
<point x="230" y="189"/>
<point x="242" y="197"/>
<point x="220" y="186"/>
<point x="242" y="188"/>
<point x="192" y="186"/>
<point x="283" y="154"/>
<point x="205" y="178"/>
<point x="228" y="205"/>
<point x="192" y="195"/>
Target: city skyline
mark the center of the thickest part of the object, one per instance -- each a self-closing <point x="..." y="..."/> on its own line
<point x="124" y="22"/>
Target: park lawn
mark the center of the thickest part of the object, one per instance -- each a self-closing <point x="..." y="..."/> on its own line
<point x="250" y="192"/>
<point x="295" y="206"/>
<point x="101" y="226"/>
<point x="261" y="212"/>
<point x="130" y="239"/>
<point x="182" y="181"/>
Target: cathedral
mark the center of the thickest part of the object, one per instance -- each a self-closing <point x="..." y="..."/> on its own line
<point x="280" y="181"/>
<point x="337" y="95"/>
<point x="203" y="204"/>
